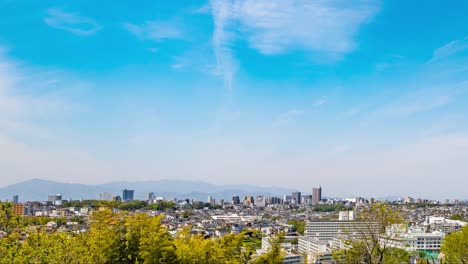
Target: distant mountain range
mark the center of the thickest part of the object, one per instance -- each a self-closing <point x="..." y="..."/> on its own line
<point x="38" y="190"/>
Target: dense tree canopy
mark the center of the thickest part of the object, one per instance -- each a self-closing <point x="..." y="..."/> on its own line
<point x="328" y="207"/>
<point x="132" y="205"/>
<point x="121" y="237"/>
<point x="455" y="246"/>
<point x="299" y="225"/>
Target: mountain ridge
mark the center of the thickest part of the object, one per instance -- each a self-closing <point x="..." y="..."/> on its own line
<point x="37" y="189"/>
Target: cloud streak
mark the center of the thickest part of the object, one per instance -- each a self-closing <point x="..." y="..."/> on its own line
<point x="70" y="22"/>
<point x="324" y="28"/>
<point x="275" y="27"/>
<point x="321" y="101"/>
<point x="155" y="30"/>
<point x="425" y="100"/>
<point x="223" y="16"/>
<point x="449" y="49"/>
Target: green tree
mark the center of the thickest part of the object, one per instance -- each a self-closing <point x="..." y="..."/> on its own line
<point x="10" y="246"/>
<point x="194" y="248"/>
<point x="370" y="243"/>
<point x="162" y="206"/>
<point x="156" y="245"/>
<point x="456" y="217"/>
<point x="233" y="249"/>
<point x="53" y="248"/>
<point x="299" y="225"/>
<point x="132" y="205"/>
<point x="105" y="241"/>
<point x="328" y="207"/>
<point x="8" y="222"/>
<point x="275" y="254"/>
<point x="455" y="246"/>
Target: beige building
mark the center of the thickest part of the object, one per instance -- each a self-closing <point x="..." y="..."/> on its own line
<point x="19" y="210"/>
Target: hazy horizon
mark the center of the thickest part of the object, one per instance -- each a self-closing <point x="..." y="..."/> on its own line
<point x="330" y="193"/>
<point x="361" y="97"/>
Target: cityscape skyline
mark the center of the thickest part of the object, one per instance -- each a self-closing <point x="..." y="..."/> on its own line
<point x="366" y="98"/>
<point x="174" y="189"/>
<point x="259" y="200"/>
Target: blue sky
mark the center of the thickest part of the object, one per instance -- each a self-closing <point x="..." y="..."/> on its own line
<point x="362" y="97"/>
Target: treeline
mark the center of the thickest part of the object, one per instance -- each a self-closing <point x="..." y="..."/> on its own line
<point x="137" y="205"/>
<point x="299" y="225"/>
<point x="129" y="206"/>
<point x="122" y="238"/>
<point x="328" y="207"/>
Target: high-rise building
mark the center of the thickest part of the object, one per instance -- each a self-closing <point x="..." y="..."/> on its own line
<point x="127" y="195"/>
<point x="317" y="195"/>
<point x="306" y="199"/>
<point x="235" y="200"/>
<point x="260" y="201"/>
<point x="296" y="197"/>
<point x="211" y="200"/>
<point x="150" y="196"/>
<point x="248" y="200"/>
<point x="55" y="199"/>
<point x="273" y="200"/>
<point x="15" y="199"/>
<point x="105" y="196"/>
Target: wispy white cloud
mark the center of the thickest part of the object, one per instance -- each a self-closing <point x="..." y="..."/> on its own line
<point x="191" y="59"/>
<point x="28" y="98"/>
<point x="70" y="22"/>
<point x="155" y="30"/>
<point x="424" y="100"/>
<point x="204" y="9"/>
<point x="275" y="27"/>
<point x="321" y="101"/>
<point x="179" y="63"/>
<point x="33" y="103"/>
<point x="223" y="16"/>
<point x="418" y="105"/>
<point x="326" y="29"/>
<point x="450" y="49"/>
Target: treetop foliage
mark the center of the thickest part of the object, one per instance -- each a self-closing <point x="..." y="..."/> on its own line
<point x="122" y="237"/>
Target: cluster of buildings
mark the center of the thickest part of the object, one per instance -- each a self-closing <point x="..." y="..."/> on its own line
<point x="296" y="198"/>
<point x="127" y="196"/>
<point x="324" y="232"/>
<point x="322" y="237"/>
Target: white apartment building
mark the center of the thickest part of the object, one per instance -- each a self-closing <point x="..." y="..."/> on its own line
<point x="290" y="258"/>
<point x="319" y="235"/>
<point x="232" y="218"/>
<point x="347" y="215"/>
<point x="317" y="251"/>
<point x="327" y="230"/>
<point x="287" y="246"/>
<point x="443" y="225"/>
<point x="418" y="241"/>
